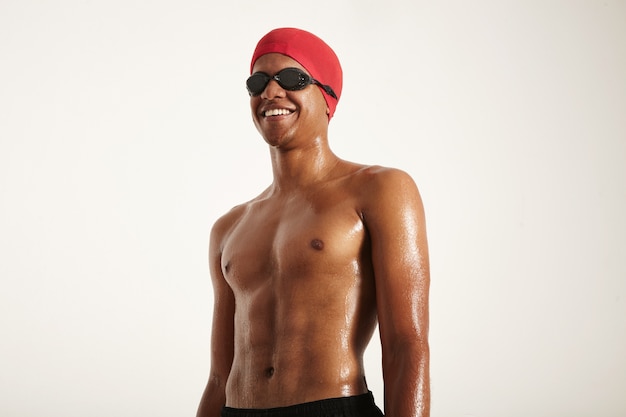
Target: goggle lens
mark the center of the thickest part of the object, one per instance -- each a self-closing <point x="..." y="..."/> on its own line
<point x="291" y="79"/>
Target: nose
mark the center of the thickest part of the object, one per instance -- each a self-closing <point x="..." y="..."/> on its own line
<point x="273" y="90"/>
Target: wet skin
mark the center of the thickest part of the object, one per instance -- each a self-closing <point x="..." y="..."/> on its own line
<point x="304" y="272"/>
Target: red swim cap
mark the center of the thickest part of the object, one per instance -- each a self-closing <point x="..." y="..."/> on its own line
<point x="311" y="52"/>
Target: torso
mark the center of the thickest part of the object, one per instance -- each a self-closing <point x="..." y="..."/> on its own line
<point x="300" y="269"/>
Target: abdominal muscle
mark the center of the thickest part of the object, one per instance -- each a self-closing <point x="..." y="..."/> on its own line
<point x="302" y="347"/>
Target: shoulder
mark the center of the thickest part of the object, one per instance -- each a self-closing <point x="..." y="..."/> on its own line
<point x="227" y="220"/>
<point x="376" y="176"/>
<point x="387" y="198"/>
<point x="226" y="223"/>
<point x="384" y="186"/>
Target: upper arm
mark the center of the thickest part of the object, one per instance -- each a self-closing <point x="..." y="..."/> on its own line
<point x="394" y="216"/>
<point x="222" y="333"/>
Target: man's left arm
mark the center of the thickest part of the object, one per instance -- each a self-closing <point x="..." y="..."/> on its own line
<point x="395" y="219"/>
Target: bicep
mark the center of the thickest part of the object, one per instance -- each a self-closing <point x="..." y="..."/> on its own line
<point x="396" y="223"/>
<point x="222" y="329"/>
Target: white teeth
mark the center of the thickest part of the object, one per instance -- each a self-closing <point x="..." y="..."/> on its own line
<point x="276" y="112"/>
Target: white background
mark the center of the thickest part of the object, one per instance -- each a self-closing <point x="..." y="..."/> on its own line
<point x="125" y="132"/>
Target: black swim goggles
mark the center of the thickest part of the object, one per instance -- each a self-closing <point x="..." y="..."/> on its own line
<point x="291" y="79"/>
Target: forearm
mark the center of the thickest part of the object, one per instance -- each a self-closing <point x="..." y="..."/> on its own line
<point x="407" y="383"/>
<point x="213" y="399"/>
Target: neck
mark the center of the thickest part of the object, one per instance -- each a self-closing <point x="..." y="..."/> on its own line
<point x="301" y="167"/>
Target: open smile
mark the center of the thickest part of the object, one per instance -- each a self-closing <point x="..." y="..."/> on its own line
<point x="277" y="112"/>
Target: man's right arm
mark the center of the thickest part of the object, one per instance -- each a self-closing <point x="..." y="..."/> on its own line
<point x="222" y="335"/>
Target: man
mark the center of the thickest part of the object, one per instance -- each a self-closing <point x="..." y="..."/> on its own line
<point x="304" y="272"/>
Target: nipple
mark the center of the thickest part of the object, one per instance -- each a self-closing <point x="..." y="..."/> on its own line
<point x="317" y="244"/>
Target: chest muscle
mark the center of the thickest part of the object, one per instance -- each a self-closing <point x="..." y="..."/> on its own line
<point x="293" y="242"/>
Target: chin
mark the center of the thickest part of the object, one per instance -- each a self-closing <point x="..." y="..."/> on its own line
<point x="276" y="138"/>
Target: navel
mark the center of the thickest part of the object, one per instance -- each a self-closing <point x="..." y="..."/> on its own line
<point x="269" y="372"/>
<point x="317" y="244"/>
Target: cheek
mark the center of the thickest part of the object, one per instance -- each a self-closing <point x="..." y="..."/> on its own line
<point x="320" y="103"/>
<point x="314" y="101"/>
<point x="254" y="102"/>
<point x="254" y="105"/>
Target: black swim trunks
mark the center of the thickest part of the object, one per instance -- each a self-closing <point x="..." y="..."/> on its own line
<point x="356" y="406"/>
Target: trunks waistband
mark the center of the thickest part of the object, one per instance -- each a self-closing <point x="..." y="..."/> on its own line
<point x="355" y="406"/>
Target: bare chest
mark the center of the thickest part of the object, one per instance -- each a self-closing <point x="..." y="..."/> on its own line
<point x="294" y="242"/>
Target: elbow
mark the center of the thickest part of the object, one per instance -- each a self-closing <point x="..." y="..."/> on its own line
<point x="412" y="354"/>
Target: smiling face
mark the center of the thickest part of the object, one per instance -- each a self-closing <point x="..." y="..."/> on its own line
<point x="281" y="115"/>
